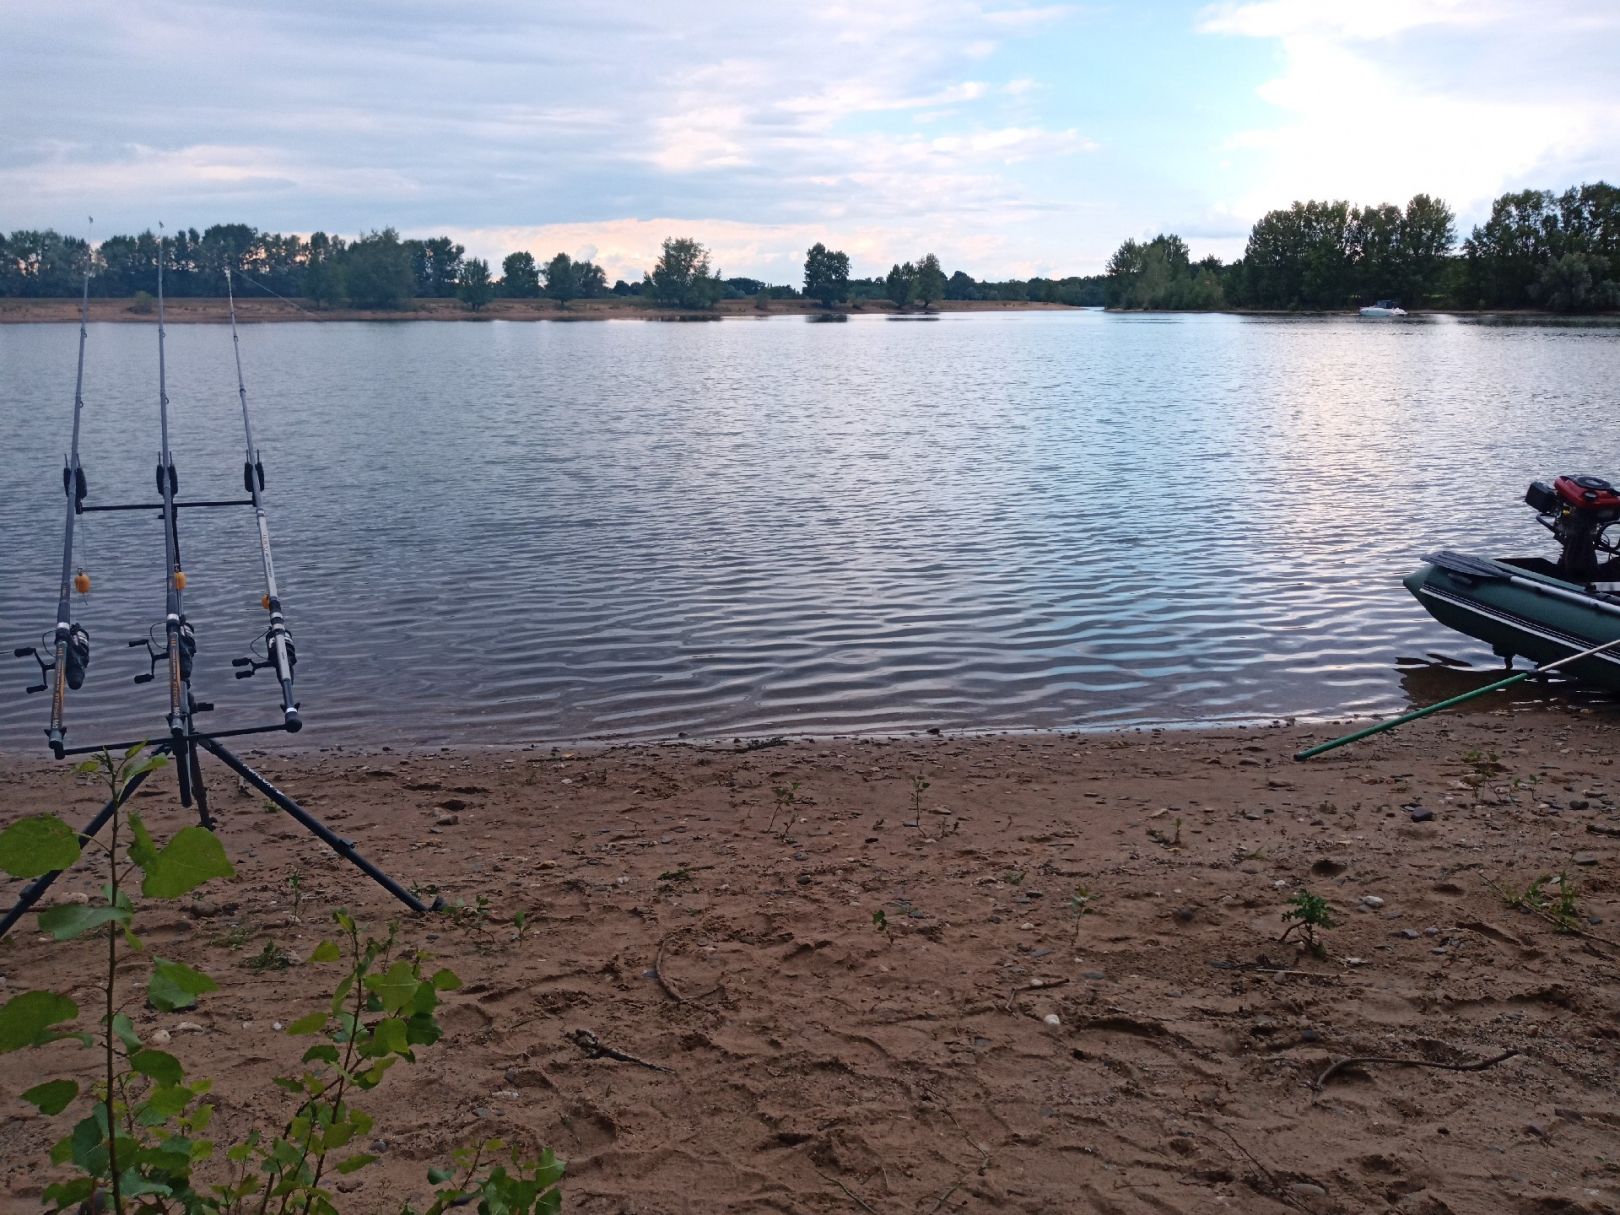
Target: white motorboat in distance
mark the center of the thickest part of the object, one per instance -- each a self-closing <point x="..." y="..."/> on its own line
<point x="1383" y="308"/>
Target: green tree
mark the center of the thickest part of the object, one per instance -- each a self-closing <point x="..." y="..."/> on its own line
<point x="435" y="266"/>
<point x="377" y="271"/>
<point x="589" y="280"/>
<point x="826" y="275"/>
<point x="561" y="282"/>
<point x="682" y="276"/>
<point x="1428" y="234"/>
<point x="476" y="288"/>
<point x="900" y="283"/>
<point x="520" y="276"/>
<point x="929" y="285"/>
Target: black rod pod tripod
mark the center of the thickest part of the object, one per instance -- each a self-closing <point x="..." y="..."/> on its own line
<point x="64" y="664"/>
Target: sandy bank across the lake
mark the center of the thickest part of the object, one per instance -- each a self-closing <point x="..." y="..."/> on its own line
<point x="183" y="311"/>
<point x="1078" y="1001"/>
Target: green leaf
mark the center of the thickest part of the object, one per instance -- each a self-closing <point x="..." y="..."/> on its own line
<point x="439" y="1176"/>
<point x="354" y="1163"/>
<point x="66" y="923"/>
<point x="26" y="1020"/>
<point x="163" y="1104"/>
<point x="312" y="1024"/>
<point x="394" y="987"/>
<point x="133" y="1185"/>
<point x="38" y="845"/>
<point x="124" y="1028"/>
<point x="326" y="951"/>
<point x="87" y="1145"/>
<point x="187" y="861"/>
<point x="446" y="980"/>
<point x="142" y="850"/>
<point x="389" y="1037"/>
<point x="175" y="986"/>
<point x="160" y="1065"/>
<point x="323" y="1051"/>
<point x="52" y="1097"/>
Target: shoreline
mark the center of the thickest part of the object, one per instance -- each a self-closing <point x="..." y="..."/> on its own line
<point x="205" y="310"/>
<point x="1128" y="887"/>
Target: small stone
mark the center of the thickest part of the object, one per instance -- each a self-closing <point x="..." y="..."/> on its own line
<point x="1371" y="901"/>
<point x="185" y="1026"/>
<point x="805" y="879"/>
<point x="1579" y="803"/>
<point x="1183" y="915"/>
<point x="1536" y="1129"/>
<point x="1431" y="932"/>
<point x="1052" y="1019"/>
<point x="1309" y="1035"/>
<point x="448" y="820"/>
<point x="161" y="1036"/>
<point x="1094" y="975"/>
<point x="1421" y="814"/>
<point x="1409" y="934"/>
<point x="1586" y="858"/>
<point x="1306" y="1189"/>
<point x="1026" y="926"/>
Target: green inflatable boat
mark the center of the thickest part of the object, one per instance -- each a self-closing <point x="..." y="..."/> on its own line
<point x="1540" y="610"/>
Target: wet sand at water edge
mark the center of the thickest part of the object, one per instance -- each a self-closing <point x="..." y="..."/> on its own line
<point x="1077" y="1000"/>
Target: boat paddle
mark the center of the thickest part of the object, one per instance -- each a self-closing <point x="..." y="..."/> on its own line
<point x="1320" y="748"/>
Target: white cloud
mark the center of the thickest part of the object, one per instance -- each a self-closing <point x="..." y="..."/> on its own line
<point x="1384" y="99"/>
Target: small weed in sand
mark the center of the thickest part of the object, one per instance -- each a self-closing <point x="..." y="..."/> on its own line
<point x="1485" y="764"/>
<point x="271" y="957"/>
<point x="1306" y="914"/>
<point x="918" y="787"/>
<point x="520" y="925"/>
<point x="787" y="798"/>
<point x="1080" y="904"/>
<point x="295" y="885"/>
<point x="683" y="874"/>
<point x="880" y="921"/>
<point x="236" y="936"/>
<point x="1172" y="840"/>
<point x="473" y="919"/>
<point x="1561" y="906"/>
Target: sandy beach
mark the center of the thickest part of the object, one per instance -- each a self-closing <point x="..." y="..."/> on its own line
<point x="185" y="310"/>
<point x="1075" y="998"/>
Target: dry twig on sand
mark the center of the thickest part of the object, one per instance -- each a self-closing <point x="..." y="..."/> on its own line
<point x="664" y="980"/>
<point x="1477" y="1066"/>
<point x="851" y="1194"/>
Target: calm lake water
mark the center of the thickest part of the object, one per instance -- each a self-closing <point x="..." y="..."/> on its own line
<point x="505" y="533"/>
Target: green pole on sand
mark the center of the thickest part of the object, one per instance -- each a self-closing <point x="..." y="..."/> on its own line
<point x="1312" y="752"/>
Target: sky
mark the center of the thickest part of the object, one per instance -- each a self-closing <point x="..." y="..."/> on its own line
<point x="1010" y="137"/>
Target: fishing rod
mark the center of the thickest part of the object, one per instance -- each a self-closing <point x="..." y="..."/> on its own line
<point x="277" y="641"/>
<point x="71" y="646"/>
<point x="180" y="641"/>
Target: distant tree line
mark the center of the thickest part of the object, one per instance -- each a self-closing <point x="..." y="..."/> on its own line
<point x="382" y="270"/>
<point x="1537" y="250"/>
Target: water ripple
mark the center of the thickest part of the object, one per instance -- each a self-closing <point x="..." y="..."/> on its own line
<point x="512" y="533"/>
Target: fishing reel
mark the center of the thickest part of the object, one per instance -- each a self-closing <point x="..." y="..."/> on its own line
<point x="77" y="659"/>
<point x="156" y="653"/>
<point x="249" y="663"/>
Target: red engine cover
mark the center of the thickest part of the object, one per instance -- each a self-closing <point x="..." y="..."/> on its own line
<point x="1588" y="493"/>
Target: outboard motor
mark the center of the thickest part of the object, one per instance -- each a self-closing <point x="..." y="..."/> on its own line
<point x="1578" y="511"/>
